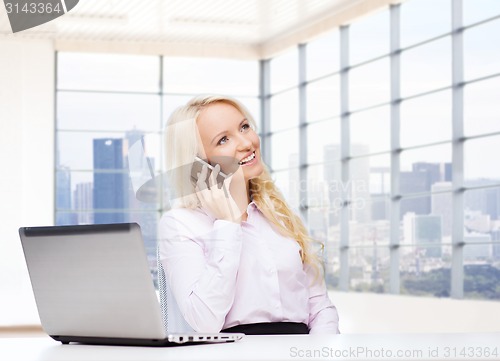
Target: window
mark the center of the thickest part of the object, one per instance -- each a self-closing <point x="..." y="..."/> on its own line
<point x="426" y="67"/>
<point x="369" y="37"/>
<point x="481" y="55"/>
<point x="380" y="181"/>
<point x="426" y="119"/>
<point x="422" y="20"/>
<point x="370" y="156"/>
<point x="107" y="104"/>
<point x="481" y="107"/>
<point x="323" y="55"/>
<point x="369" y="84"/>
<point x="284" y="69"/>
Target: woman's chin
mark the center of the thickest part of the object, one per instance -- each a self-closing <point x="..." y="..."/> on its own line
<point x="254" y="172"/>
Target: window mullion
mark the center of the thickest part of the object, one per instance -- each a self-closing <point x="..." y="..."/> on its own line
<point x="394" y="275"/>
<point x="457" y="270"/>
<point x="265" y="110"/>
<point x="303" y="196"/>
<point x="345" y="144"/>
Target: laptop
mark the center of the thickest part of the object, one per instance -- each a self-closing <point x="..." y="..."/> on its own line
<point x="92" y="284"/>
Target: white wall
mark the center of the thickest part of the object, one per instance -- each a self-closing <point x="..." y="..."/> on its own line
<point x="26" y="164"/>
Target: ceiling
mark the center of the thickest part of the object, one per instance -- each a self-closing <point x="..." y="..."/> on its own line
<point x="225" y="28"/>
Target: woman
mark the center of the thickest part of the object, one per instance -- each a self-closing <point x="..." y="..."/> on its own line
<point x="236" y="257"/>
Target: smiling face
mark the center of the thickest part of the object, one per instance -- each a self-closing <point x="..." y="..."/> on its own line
<point x="228" y="139"/>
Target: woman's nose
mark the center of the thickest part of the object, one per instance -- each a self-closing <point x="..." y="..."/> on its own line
<point x="244" y="142"/>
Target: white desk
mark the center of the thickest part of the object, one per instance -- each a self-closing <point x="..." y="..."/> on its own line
<point x="339" y="347"/>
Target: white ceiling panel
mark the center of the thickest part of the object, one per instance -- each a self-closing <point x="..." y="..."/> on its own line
<point x="232" y="28"/>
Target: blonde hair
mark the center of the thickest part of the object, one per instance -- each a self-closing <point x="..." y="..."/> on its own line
<point x="182" y="145"/>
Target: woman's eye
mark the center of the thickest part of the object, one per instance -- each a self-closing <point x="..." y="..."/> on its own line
<point x="245" y="126"/>
<point x="222" y="140"/>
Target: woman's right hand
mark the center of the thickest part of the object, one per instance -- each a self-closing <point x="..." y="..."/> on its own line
<point x="220" y="200"/>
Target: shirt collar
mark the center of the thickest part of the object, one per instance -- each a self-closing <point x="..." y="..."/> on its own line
<point x="252" y="206"/>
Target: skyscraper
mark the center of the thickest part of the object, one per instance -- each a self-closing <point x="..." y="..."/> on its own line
<point x="332" y="176"/>
<point x="486" y="200"/>
<point x="110" y="180"/>
<point x="424" y="232"/>
<point x="441" y="205"/>
<point x="359" y="176"/>
<point x="420" y="180"/>
<point x="63" y="196"/>
<point x="83" y="203"/>
<point x="381" y="177"/>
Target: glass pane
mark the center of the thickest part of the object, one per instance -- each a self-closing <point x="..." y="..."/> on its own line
<point x="481" y="161"/>
<point x="426" y="220"/>
<point x="482" y="211"/>
<point x="368" y="189"/>
<point x="317" y="223"/>
<point x="477" y="10"/>
<point x="425" y="271"/>
<point x="88" y="71"/>
<point x="332" y="152"/>
<point x="86" y="151"/>
<point x="332" y="262"/>
<point x="369" y="179"/>
<point x="317" y="188"/>
<point x="84" y="191"/>
<point x="371" y="175"/>
<point x="426" y="119"/>
<point x="325" y="187"/>
<point x="481" y="51"/>
<point x="481" y="107"/>
<point x="323" y="98"/>
<point x="481" y="255"/>
<point x="323" y="55"/>
<point x="424" y="19"/>
<point x="285" y="149"/>
<point x="370" y="131"/>
<point x="81" y="194"/>
<point x="210" y="75"/>
<point x="74" y="191"/>
<point x="288" y="183"/>
<point x="285" y="70"/>
<point x="481" y="274"/>
<point x="374" y="232"/>
<point x="369" y="84"/>
<point x="369" y="269"/>
<point x="285" y="110"/>
<point x="98" y="111"/>
<point x="442" y="206"/>
<point x="422" y="168"/>
<point x="319" y="136"/>
<point x="426" y="67"/>
<point x="380" y="208"/>
<point x="369" y="37"/>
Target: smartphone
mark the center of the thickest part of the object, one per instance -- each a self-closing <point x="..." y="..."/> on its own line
<point x="198" y="166"/>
